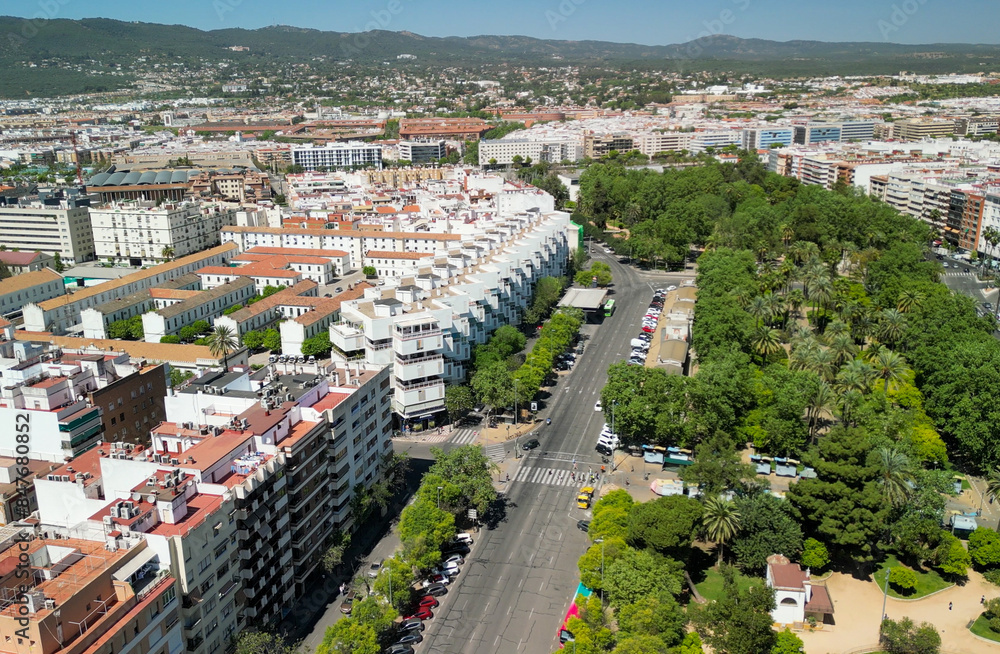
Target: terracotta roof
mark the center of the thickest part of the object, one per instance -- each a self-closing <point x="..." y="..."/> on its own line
<point x="29" y="279"/>
<point x="171" y="293"/>
<point x="364" y="233"/>
<point x="327" y="307"/>
<point x="820" y="601"/>
<point x="273" y="300"/>
<point x="252" y="270"/>
<point x="204" y="297"/>
<point x="55" y="303"/>
<point x="389" y="254"/>
<point x="786" y="575"/>
<point x="135" y="349"/>
<point x="12" y="258"/>
<point x="311" y="252"/>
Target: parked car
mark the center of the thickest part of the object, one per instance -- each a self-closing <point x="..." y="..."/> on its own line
<point x="422" y="613"/>
<point x="604" y="449"/>
<point x="429" y="602"/>
<point x="457" y="559"/>
<point x="435" y="579"/>
<point x="671" y="288"/>
<point x="339" y="289"/>
<point x="583" y="525"/>
<point x="528" y="445"/>
<point x="435" y="590"/>
<point x="399" y="649"/>
<point x="459" y="548"/>
<point x="410" y="638"/>
<point x="348" y="603"/>
<point x="462" y="537"/>
<point x="413" y="625"/>
<point x="374" y="569"/>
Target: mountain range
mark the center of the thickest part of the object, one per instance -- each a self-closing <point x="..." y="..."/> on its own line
<point x="110" y="42"/>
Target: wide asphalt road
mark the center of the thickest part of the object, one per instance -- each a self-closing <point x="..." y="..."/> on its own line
<point x="521" y="575"/>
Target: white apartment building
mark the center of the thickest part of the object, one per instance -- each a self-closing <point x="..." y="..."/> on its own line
<point x="142" y="233"/>
<point x="425" y="326"/>
<point x="54" y="227"/>
<point x="204" y="305"/>
<point x="36" y="286"/>
<point x="550" y="150"/>
<point x="701" y="141"/>
<point x="666" y="141"/>
<point x="62" y="314"/>
<point x="338" y="155"/>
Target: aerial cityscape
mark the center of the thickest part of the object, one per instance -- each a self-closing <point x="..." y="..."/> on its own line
<point x="417" y="327"/>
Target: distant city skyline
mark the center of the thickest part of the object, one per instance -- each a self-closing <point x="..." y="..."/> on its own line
<point x="647" y="22"/>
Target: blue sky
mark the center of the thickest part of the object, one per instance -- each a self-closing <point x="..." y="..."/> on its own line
<point x="652" y="22"/>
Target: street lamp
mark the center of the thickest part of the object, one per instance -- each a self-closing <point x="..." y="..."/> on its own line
<point x="440" y="488"/>
<point x="601" y="541"/>
<point x="515" y="404"/>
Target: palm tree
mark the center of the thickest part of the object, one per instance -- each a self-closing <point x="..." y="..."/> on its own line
<point x="849" y="400"/>
<point x="721" y="521"/>
<point x="765" y="341"/>
<point x="843" y="347"/>
<point x="222" y="342"/>
<point x="888" y="366"/>
<point x="993" y="483"/>
<point x="741" y="296"/>
<point x="822" y="400"/>
<point x="891" y="326"/>
<point x="821" y="292"/>
<point x="787" y="234"/>
<point x="894" y="474"/>
<point x="909" y="300"/>
<point x="855" y="375"/>
<point x="795" y="300"/>
<point x="167" y="252"/>
<point x="822" y="362"/>
<point x="758" y="309"/>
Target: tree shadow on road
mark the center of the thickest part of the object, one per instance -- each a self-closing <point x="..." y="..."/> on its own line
<point x="497" y="513"/>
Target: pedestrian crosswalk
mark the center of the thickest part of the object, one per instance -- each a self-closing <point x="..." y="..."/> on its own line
<point x="496" y="452"/>
<point x="959" y="273"/>
<point x="464" y="436"/>
<point x="550" y="476"/>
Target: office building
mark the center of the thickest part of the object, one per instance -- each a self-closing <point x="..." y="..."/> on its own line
<point x="766" y="138"/>
<point x="817" y="133"/>
<point x="422" y="152"/>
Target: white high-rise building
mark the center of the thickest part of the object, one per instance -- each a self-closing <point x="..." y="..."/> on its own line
<point x="141" y="233"/>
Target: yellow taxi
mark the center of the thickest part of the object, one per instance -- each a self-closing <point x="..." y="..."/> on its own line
<point x="584" y="498"/>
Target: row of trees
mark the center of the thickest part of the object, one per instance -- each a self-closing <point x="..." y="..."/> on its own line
<point x="458" y="480"/>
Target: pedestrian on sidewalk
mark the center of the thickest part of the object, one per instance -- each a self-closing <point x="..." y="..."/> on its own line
<point x="508" y="477"/>
<point x="949" y="606"/>
<point x="982" y="600"/>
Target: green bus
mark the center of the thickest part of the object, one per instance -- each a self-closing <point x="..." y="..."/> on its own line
<point x="609" y="308"/>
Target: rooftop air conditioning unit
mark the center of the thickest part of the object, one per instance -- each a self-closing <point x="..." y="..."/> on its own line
<point x="175" y="461"/>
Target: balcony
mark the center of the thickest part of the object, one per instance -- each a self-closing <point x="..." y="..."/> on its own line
<point x="347" y="338"/>
<point x="426" y="342"/>
<point x="407" y="369"/>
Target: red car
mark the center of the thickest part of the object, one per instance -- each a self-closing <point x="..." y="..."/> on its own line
<point x="429" y="602"/>
<point x="648" y="329"/>
<point x="423" y="613"/>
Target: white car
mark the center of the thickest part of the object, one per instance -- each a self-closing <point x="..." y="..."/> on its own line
<point x="597" y="406"/>
<point x="671" y="288"/>
<point x="457" y="559"/>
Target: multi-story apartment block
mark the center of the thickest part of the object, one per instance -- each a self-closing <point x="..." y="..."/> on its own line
<point x="141" y="233"/>
<point x="52" y="226"/>
<point x="765" y="138"/>
<point x="701" y="141"/>
<point x="96" y="320"/>
<point x="503" y="151"/>
<point x="204" y="305"/>
<point x="264" y="313"/>
<point x="977" y="125"/>
<point x="60" y="314"/>
<point x="338" y="155"/>
<point x="80" y="596"/>
<point x="917" y="129"/>
<point x="816" y="133"/>
<point x="596" y="146"/>
<point x="69" y="399"/>
<point x="37" y="286"/>
<point x="965" y="217"/>
<point x="655" y="142"/>
<point x="425" y="326"/>
<point x="422" y="152"/>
